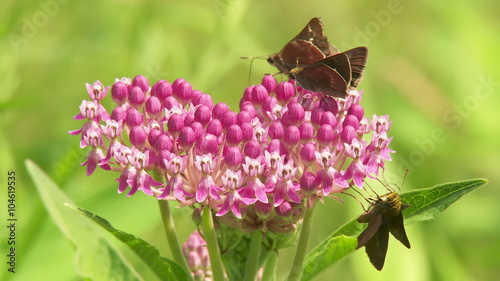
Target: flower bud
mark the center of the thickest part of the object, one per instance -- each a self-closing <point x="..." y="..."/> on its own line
<point x="214" y="127"/>
<point x="252" y="149"/>
<point x="153" y="106"/>
<point x="296" y="113"/>
<point x="209" y="144"/>
<point x="269" y="82"/>
<point x="183" y="92"/>
<point x="163" y="142"/>
<point x="229" y="119"/>
<point x="284" y="209"/>
<point x="234" y="135"/>
<point x="136" y="98"/>
<point x="292" y="135"/>
<point x="307" y="182"/>
<point x="119" y="114"/>
<point x="220" y="110"/>
<point x="233" y="156"/>
<point x="203" y="114"/>
<point x="134" y="118"/>
<point x="137" y="136"/>
<point x="161" y="89"/>
<point x="276" y="130"/>
<point x="306" y="130"/>
<point x="243" y="117"/>
<point x="186" y="137"/>
<point x="259" y="94"/>
<point x="247" y="130"/>
<point x="197" y="129"/>
<point x="285" y="91"/>
<point x="141" y="82"/>
<point x="316" y="115"/>
<point x="352" y="121"/>
<point x="348" y="134"/>
<point x="119" y="92"/>
<point x="202" y="99"/>
<point x="328" y="118"/>
<point x="325" y="135"/>
<point x="308" y="153"/>
<point x="356" y="110"/>
<point x="175" y="123"/>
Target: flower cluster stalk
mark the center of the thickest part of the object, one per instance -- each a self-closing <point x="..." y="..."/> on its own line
<point x="300" y="253"/>
<point x="252" y="264"/>
<point x="173" y="242"/>
<point x="213" y="247"/>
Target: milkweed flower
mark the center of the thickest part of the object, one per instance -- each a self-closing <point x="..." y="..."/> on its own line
<point x="256" y="168"/>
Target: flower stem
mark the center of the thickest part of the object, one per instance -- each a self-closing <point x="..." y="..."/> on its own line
<point x="168" y="225"/>
<point x="252" y="262"/>
<point x="269" y="269"/>
<point x="300" y="254"/>
<point x="212" y="245"/>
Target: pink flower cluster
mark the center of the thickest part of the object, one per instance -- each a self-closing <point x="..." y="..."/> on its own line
<point x="285" y="148"/>
<point x="196" y="253"/>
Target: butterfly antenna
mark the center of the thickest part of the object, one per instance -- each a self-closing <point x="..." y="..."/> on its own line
<point x="404" y="178"/>
<point x="250" y="70"/>
<point x="385" y="183"/>
<point x="372" y="190"/>
<point x="355" y="198"/>
<point x="251" y="63"/>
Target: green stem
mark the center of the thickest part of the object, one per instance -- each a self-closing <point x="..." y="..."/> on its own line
<point x="269" y="269"/>
<point x="252" y="262"/>
<point x="300" y="254"/>
<point x="212" y="245"/>
<point x="168" y="225"/>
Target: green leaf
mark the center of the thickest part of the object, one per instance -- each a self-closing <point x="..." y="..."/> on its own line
<point x="426" y="204"/>
<point x="164" y="268"/>
<point x="96" y="258"/>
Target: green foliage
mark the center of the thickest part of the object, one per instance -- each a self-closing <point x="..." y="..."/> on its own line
<point x="164" y="268"/>
<point x="96" y="258"/>
<point x="426" y="204"/>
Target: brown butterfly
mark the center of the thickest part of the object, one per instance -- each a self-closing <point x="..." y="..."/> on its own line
<point x="317" y="65"/>
<point x="383" y="216"/>
<point x="308" y="47"/>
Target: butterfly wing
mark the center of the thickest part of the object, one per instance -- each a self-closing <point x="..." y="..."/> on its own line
<point x="313" y="32"/>
<point x="397" y="228"/>
<point x="321" y="78"/>
<point x="297" y="53"/>
<point x="308" y="47"/>
<point x="376" y="247"/>
<point x="357" y="58"/>
<point x="339" y="62"/>
<point x="374" y="221"/>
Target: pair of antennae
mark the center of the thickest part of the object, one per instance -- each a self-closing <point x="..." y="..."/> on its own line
<point x="383" y="182"/>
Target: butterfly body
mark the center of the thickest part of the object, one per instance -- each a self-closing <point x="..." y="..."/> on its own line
<point x="383" y="216"/>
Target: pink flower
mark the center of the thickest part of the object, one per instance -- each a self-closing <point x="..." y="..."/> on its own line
<point x="254" y="189"/>
<point x="233" y="200"/>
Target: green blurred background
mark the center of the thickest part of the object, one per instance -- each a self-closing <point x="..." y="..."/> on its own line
<point x="432" y="67"/>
